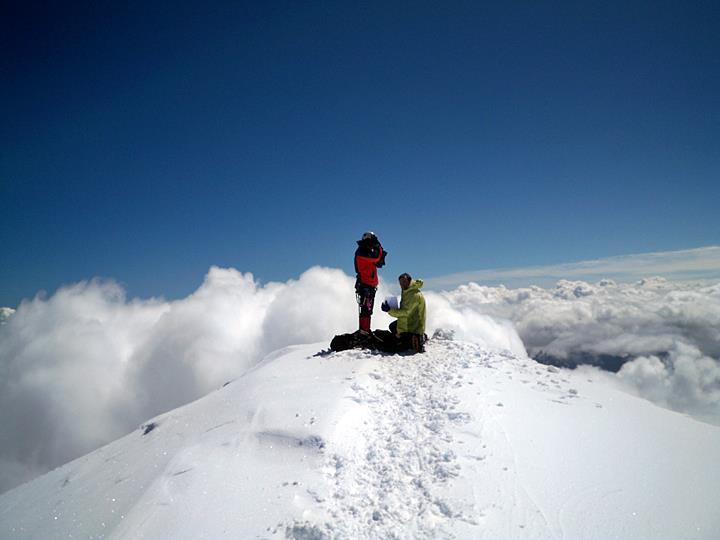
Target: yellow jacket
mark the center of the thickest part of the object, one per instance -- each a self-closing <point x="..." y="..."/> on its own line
<point x="411" y="313"/>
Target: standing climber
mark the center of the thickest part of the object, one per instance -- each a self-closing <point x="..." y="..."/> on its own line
<point x="369" y="256"/>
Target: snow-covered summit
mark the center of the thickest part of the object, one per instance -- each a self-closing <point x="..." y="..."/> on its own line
<point x="459" y="442"/>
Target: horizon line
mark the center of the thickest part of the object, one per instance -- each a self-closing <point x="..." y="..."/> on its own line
<point x="700" y="263"/>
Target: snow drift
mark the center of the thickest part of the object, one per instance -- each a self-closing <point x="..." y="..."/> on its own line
<point x="460" y="442"/>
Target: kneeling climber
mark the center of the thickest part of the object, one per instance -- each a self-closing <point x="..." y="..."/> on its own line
<point x="410" y="325"/>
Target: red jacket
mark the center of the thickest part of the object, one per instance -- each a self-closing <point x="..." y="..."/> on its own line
<point x="366" y="264"/>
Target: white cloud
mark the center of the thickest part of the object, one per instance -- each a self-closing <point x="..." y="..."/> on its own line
<point x="666" y="334"/>
<point x="5" y="314"/>
<point x="686" y="381"/>
<point x="469" y="324"/>
<point x="87" y="365"/>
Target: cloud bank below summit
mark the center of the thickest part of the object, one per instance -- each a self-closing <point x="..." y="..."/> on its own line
<point x="86" y="365"/>
<point x="663" y="337"/>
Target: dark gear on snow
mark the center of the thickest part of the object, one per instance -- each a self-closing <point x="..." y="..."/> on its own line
<point x="379" y="340"/>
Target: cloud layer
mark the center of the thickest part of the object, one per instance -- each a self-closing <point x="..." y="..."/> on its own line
<point x="663" y="337"/>
<point x="688" y="264"/>
<point x="87" y="365"/>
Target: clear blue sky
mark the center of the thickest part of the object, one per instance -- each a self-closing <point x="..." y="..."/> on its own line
<point x="145" y="142"/>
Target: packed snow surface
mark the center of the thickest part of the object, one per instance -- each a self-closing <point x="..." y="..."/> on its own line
<point x="459" y="442"/>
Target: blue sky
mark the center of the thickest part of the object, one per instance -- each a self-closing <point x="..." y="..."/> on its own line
<point x="147" y="143"/>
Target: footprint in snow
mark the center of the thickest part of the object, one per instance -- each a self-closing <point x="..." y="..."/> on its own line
<point x="459" y="416"/>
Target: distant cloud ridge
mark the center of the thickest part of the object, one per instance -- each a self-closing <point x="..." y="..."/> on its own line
<point x="663" y="337"/>
<point x="683" y="265"/>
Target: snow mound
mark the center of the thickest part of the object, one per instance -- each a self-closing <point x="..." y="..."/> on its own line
<point x="460" y="442"/>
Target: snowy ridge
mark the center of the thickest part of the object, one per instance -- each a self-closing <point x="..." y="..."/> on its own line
<point x="461" y="442"/>
<point x="393" y="478"/>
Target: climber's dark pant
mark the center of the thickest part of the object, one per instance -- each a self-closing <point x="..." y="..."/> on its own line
<point x="366" y="301"/>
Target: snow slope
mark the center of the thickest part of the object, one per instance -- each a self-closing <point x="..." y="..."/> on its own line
<point x="460" y="442"/>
